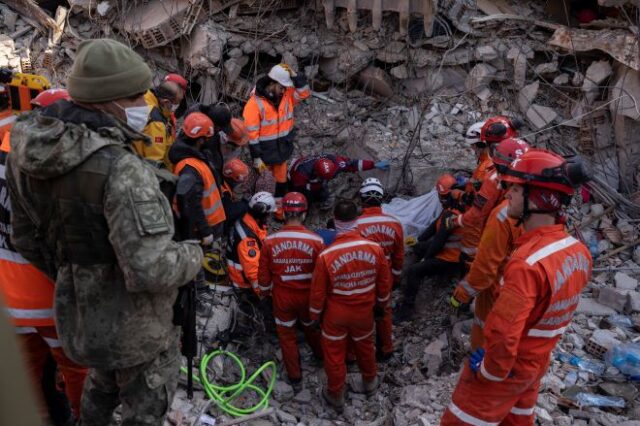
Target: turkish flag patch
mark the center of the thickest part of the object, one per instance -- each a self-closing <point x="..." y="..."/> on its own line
<point x="251" y="243"/>
<point x="158" y="139"/>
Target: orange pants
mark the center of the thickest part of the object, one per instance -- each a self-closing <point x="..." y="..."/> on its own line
<point x="476" y="401"/>
<point x="340" y="324"/>
<point x="383" y="331"/>
<point x="37" y="343"/>
<point x="289" y="307"/>
<point x="279" y="172"/>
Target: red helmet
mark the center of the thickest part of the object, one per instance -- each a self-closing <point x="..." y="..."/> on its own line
<point x="178" y="79"/>
<point x="325" y="168"/>
<point x="239" y="133"/>
<point x="541" y="169"/>
<point x="294" y="202"/>
<point x="47" y="97"/>
<point x="496" y="129"/>
<point x="506" y="151"/>
<point x="235" y="170"/>
<point x="445" y="184"/>
<point x="197" y="125"/>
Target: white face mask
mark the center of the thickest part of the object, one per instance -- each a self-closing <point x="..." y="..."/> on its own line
<point x="137" y="117"/>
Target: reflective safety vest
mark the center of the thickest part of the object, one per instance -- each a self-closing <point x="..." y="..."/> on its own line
<point x="211" y="201"/>
<point x="27" y="292"/>
<point x="270" y="128"/>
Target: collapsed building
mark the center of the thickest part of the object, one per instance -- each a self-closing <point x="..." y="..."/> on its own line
<point x="402" y="80"/>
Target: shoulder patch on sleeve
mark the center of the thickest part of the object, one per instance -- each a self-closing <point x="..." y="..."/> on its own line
<point x="158" y="139"/>
<point x="251" y="243"/>
<point x="252" y="253"/>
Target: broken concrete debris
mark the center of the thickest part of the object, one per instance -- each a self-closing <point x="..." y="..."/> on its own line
<point x="378" y="90"/>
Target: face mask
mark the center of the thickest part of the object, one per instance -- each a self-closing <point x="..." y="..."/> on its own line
<point x="137" y="116"/>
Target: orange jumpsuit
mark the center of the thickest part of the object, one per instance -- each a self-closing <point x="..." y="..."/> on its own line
<point x="472" y="221"/>
<point x="243" y="256"/>
<point x="541" y="290"/>
<point x="287" y="259"/>
<point x="351" y="276"/>
<point x="29" y="295"/>
<point x="387" y="231"/>
<point x="482" y="280"/>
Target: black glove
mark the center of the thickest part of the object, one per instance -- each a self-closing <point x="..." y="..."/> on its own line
<point x="300" y="80"/>
<point x="378" y="313"/>
<point x="6" y="75"/>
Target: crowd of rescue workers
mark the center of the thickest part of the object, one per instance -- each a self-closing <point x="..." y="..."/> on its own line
<point x="114" y="207"/>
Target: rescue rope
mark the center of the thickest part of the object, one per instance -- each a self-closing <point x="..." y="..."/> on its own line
<point x="224" y="396"/>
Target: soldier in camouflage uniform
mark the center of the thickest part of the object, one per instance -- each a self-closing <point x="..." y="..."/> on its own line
<point x="90" y="214"/>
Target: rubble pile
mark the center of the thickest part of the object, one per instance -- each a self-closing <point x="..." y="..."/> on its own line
<point x="404" y="86"/>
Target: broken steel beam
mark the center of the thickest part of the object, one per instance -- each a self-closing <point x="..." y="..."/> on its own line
<point x="405" y="8"/>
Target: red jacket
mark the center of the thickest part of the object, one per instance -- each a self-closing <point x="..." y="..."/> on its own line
<point x="387" y="231"/>
<point x="352" y="272"/>
<point x="302" y="173"/>
<point x="541" y="290"/>
<point x="288" y="257"/>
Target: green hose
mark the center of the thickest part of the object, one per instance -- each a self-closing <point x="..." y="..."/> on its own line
<point x="224" y="396"/>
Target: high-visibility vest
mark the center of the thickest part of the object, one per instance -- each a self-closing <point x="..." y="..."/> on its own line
<point x="211" y="201"/>
<point x="27" y="292"/>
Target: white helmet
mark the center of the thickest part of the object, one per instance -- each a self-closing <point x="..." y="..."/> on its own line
<point x="371" y="187"/>
<point x="473" y="133"/>
<point x="263" y="202"/>
<point x="281" y="75"/>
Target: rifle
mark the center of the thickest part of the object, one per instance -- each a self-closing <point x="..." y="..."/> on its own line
<point x="185" y="316"/>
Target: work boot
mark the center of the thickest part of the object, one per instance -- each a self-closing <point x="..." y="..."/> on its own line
<point x="337" y="401"/>
<point x="370" y="387"/>
<point x="403" y="313"/>
<point x="296" y="384"/>
<point x="383" y="356"/>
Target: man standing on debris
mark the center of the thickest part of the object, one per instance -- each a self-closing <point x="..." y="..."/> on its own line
<point x="437" y="249"/>
<point x="90" y="214"/>
<point x="198" y="205"/>
<point x="498" y="238"/>
<point x="309" y="175"/>
<point x="162" y="102"/>
<point x="287" y="260"/>
<point x="351" y="284"/>
<point x="494" y="130"/>
<point x="542" y="285"/>
<point x="268" y="115"/>
<point x="387" y="231"/>
<point x="245" y="243"/>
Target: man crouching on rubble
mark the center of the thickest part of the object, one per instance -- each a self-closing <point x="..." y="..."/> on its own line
<point x="89" y="213"/>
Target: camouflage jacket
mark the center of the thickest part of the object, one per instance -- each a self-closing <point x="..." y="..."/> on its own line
<point x="89" y="213"/>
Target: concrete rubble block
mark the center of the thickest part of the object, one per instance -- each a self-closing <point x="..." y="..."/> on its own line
<point x="527" y="95"/>
<point x="282" y="391"/>
<point x="614" y="298"/>
<point x="634" y="302"/>
<point x="546" y="68"/>
<point x="624" y="281"/>
<point x="433" y="354"/>
<point x="561" y="80"/>
<point x="206" y="43"/>
<point x="519" y="55"/>
<point x="480" y="77"/>
<point x="400" y="72"/>
<point x="393" y="52"/>
<point x="285" y="417"/>
<point x="9" y="18"/>
<point x="486" y="53"/>
<point x="604" y="338"/>
<point x="376" y="80"/>
<point x="348" y="63"/>
<point x="541" y="116"/>
<point x="233" y="67"/>
<point x="597" y="73"/>
<point x="591" y="307"/>
<point x="304" y="396"/>
<point x="625" y="93"/>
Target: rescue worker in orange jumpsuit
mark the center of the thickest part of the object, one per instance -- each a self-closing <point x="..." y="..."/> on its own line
<point x="268" y="115"/>
<point x="234" y="173"/>
<point x="387" y="231"/>
<point x="29" y="294"/>
<point x="351" y="280"/>
<point x="497" y="242"/>
<point x="198" y="204"/>
<point x="287" y="259"/>
<point x="486" y="198"/>
<point x="245" y="244"/>
<point x="437" y="249"/>
<point x="472" y="137"/>
<point x="541" y="289"/>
